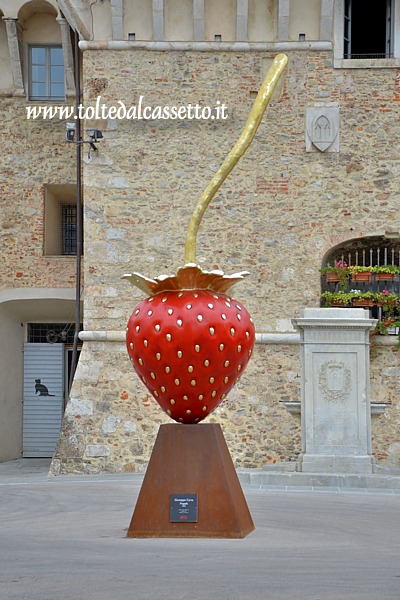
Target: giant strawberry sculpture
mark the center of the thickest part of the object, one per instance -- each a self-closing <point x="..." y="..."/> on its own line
<point x="190" y="341"/>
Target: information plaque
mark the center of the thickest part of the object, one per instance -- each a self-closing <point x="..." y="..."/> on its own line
<point x="183" y="508"/>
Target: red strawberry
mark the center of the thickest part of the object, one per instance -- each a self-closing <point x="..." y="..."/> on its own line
<point x="189" y="347"/>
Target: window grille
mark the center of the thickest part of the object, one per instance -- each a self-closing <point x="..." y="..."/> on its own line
<point x="69" y="238"/>
<point x="374" y="252"/>
<point x="41" y="333"/>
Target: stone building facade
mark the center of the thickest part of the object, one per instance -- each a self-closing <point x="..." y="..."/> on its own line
<point x="281" y="213"/>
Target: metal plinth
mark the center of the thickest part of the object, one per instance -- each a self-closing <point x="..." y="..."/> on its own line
<point x="191" y="459"/>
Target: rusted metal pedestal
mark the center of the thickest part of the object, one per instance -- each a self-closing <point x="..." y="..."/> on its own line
<point x="191" y="460"/>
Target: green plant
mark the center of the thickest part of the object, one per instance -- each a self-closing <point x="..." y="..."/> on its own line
<point x="358" y="269"/>
<point x="343" y="271"/>
<point x="389" y="302"/>
<point x="383" y="326"/>
<point x="392" y="269"/>
<point x="340" y="297"/>
<point x="357" y="295"/>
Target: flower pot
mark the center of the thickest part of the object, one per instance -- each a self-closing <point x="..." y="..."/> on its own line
<point x="385" y="276"/>
<point x="331" y="277"/>
<point x="364" y="276"/>
<point x="393" y="330"/>
<point x="363" y="302"/>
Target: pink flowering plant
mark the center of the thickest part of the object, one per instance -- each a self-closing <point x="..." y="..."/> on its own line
<point x="341" y="270"/>
<point x="341" y="264"/>
<point x="390" y="303"/>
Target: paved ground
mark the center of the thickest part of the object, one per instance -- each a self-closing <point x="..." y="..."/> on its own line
<point x="64" y="539"/>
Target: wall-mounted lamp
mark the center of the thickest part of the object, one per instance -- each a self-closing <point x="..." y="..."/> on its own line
<point x="94" y="134"/>
<point x="70" y="131"/>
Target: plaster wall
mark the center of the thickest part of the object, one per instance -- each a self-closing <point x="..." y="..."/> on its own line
<point x="12" y="8"/>
<point x="220" y="19"/>
<point x="11" y="359"/>
<point x="304" y="18"/>
<point x="263" y="21"/>
<point x="101" y="12"/>
<point x="178" y="20"/>
<point x="138" y="19"/>
<point x="41" y="29"/>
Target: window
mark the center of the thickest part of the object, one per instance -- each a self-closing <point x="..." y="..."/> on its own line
<point x="368" y="29"/>
<point x="60" y="220"/>
<point x="46" y="73"/>
<point x="367" y="34"/>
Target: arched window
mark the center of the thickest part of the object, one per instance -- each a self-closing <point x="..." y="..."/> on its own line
<point x="43" y="51"/>
<point x="365" y="272"/>
<point x="367" y="251"/>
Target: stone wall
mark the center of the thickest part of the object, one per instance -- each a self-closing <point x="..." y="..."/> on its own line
<point x="111" y="420"/>
<point x="385" y="388"/>
<point x="34" y="153"/>
<point x="277" y="215"/>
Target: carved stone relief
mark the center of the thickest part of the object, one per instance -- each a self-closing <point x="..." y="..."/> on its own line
<point x="322" y="129"/>
<point x="334" y="380"/>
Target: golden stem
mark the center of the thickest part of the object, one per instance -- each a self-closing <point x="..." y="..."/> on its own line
<point x="244" y="141"/>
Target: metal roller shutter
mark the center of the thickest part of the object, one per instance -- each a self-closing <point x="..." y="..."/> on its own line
<point x="43" y="398"/>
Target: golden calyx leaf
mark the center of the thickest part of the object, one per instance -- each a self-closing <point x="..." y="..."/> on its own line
<point x="188" y="277"/>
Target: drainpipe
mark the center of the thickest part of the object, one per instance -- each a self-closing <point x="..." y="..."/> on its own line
<point x="79" y="224"/>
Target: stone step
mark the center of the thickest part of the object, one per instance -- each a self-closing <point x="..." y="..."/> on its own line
<point x="282" y="479"/>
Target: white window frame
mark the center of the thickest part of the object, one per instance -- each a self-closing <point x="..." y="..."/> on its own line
<point x="365" y="63"/>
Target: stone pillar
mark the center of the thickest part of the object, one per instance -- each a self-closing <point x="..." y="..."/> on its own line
<point x="242" y="17"/>
<point x="13" y="46"/>
<point x="117" y="19"/>
<point x="68" y="57"/>
<point x="198" y="20"/>
<point x="158" y="20"/>
<point x="335" y="405"/>
<point x="325" y="27"/>
<point x="283" y="20"/>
